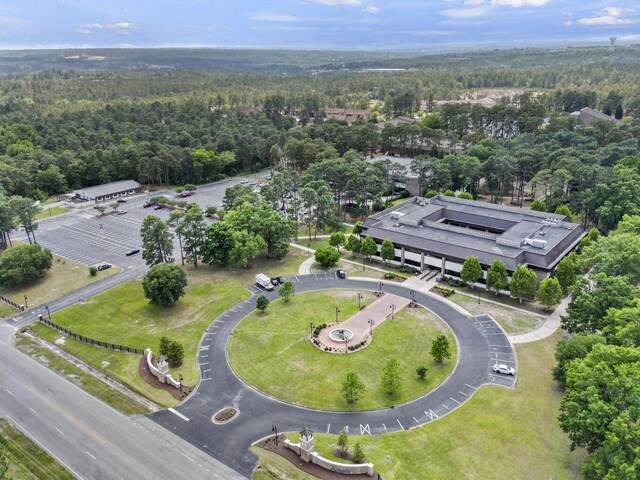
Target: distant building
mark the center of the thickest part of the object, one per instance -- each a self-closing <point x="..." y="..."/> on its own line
<point x="442" y="232"/>
<point x="410" y="180"/>
<point x="486" y="98"/>
<point x="350" y="115"/>
<point x="394" y="122"/>
<point x="588" y="115"/>
<point x="109" y="191"/>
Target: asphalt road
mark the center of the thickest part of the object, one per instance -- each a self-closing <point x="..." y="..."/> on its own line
<point x="480" y="344"/>
<point x="90" y="438"/>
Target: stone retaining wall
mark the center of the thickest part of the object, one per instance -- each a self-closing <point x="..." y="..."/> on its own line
<point x="161" y="372"/>
<point x="344" y="468"/>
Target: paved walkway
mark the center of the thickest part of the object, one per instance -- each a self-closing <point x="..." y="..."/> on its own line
<point x="358" y="323"/>
<point x="548" y="328"/>
<point x="305" y="267"/>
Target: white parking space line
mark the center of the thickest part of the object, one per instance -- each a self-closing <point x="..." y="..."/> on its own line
<point x="399" y="424"/>
<point x="455" y="400"/>
<point x="175" y="412"/>
<point x="472" y="388"/>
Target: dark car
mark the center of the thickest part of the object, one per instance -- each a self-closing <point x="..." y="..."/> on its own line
<point x="274" y="282"/>
<point x="147" y="205"/>
<point x="341" y="273"/>
<point x="103" y="266"/>
<point x="280" y="280"/>
<point x="121" y="200"/>
<point x="158" y="207"/>
<point x="132" y="252"/>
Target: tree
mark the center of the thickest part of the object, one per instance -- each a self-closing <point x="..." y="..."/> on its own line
<point x="471" y="270"/>
<point x="352" y="388"/>
<point x="549" y="292"/>
<point x="387" y="251"/>
<point x="619" y="455"/>
<point x="164" y="284"/>
<point x="592" y="297"/>
<point x="569" y="349"/>
<point x="157" y="241"/>
<point x="327" y="256"/>
<point x="193" y="230"/>
<point x="26" y="211"/>
<point x="369" y="247"/>
<point x="51" y="180"/>
<point x="564" y="210"/>
<point x="421" y="371"/>
<point x="343" y="440"/>
<point x="599" y="388"/>
<point x="23" y="263"/>
<point x="246" y="246"/>
<point x="353" y="244"/>
<point x="497" y="277"/>
<point x="219" y="244"/>
<point x="391" y="376"/>
<point x="523" y="283"/>
<point x="358" y="453"/>
<point x="262" y="302"/>
<point x="538" y="205"/>
<point x="566" y="273"/>
<point x="287" y="290"/>
<point x="337" y="239"/>
<point x="172" y="350"/>
<point x="440" y="348"/>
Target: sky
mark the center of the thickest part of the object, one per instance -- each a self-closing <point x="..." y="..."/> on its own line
<point x="318" y="24"/>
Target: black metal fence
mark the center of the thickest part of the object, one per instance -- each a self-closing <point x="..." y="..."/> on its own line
<point x="88" y="340"/>
<point x="10" y="303"/>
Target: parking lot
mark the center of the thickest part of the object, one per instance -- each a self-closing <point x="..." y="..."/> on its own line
<point x="88" y="238"/>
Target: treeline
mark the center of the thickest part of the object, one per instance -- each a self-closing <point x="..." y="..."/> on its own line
<point x="599" y="364"/>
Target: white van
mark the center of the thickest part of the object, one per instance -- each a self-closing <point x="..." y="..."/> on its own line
<point x="263" y="281"/>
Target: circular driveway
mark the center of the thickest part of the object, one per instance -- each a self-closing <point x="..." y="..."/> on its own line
<point x="480" y="344"/>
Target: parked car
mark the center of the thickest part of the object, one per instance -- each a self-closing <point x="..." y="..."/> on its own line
<point x="274" y="282"/>
<point x="103" y="266"/>
<point x="147" y="205"/>
<point x="186" y="194"/>
<point x="133" y="251"/>
<point x="121" y="212"/>
<point x="158" y="207"/>
<point x="244" y="182"/>
<point x="121" y="200"/>
<point x="281" y="280"/>
<point x="341" y="273"/>
<point x="504" y="369"/>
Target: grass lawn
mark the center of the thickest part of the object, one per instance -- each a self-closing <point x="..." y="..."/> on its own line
<point x="26" y="459"/>
<point x="272" y="466"/>
<point x="498" y="434"/>
<point x="314" y="243"/>
<point x="513" y="321"/>
<point x="64" y="276"/>
<point x="350" y="269"/>
<point x="51" y="212"/>
<point x="280" y="336"/>
<point x="123" y="315"/>
<point x="6" y="310"/>
<point x="84" y="380"/>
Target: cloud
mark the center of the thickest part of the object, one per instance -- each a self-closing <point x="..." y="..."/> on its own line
<point x="122" y="28"/>
<point x="340" y="3"/>
<point x="471" y="12"/>
<point x="520" y="3"/>
<point x="88" y="28"/>
<point x="271" y="17"/>
<point x="607" y="16"/>
<point x="371" y="9"/>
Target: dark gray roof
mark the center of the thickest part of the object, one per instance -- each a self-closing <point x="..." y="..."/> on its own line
<point x="109" y="188"/>
<point x="442" y="226"/>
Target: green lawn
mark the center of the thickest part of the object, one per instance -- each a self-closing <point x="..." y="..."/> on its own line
<point x="272" y="466"/>
<point x="280" y="337"/>
<point x="84" y="380"/>
<point x="64" y="276"/>
<point x="498" y="434"/>
<point x="123" y="315"/>
<point x="513" y="321"/>
<point x="352" y="270"/>
<point x="25" y="459"/>
<point x="51" y="212"/>
<point x="6" y="310"/>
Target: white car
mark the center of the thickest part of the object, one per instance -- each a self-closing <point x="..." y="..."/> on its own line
<point x="504" y="369"/>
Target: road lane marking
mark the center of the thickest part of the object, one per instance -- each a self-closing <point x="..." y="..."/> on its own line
<point x="9" y="392"/>
<point x="90" y="455"/>
<point x="365" y="429"/>
<point x="175" y="412"/>
<point x="33" y="410"/>
<point x="445" y="406"/>
<point x="61" y="432"/>
<point x="399" y="424"/>
<point x="431" y="414"/>
<point x="472" y="388"/>
<point x="462" y="393"/>
<point x="188" y="458"/>
<point x="455" y="400"/>
<point x="415" y="420"/>
<point x="385" y="427"/>
<point x="328" y="427"/>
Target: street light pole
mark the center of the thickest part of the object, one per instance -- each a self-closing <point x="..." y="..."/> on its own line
<point x="393" y="310"/>
<point x="371" y="322"/>
<point x="337" y="312"/>
<point x="380" y="285"/>
<point x="48" y="312"/>
<point x="359" y="298"/>
<point x="26" y="305"/>
<point x="311" y="328"/>
<point x="346" y="341"/>
<point x="275" y="429"/>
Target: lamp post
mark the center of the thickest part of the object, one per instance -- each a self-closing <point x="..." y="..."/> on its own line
<point x="275" y="429"/>
<point x="393" y="310"/>
<point x="311" y="328"/>
<point x="26" y="305"/>
<point x="180" y="378"/>
<point x="337" y="312"/>
<point x="371" y="323"/>
<point x="380" y="288"/>
<point x="48" y="312"/>
<point x="346" y="341"/>
<point x="359" y="298"/>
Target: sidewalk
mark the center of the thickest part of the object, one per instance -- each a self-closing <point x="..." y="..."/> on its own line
<point x="548" y="328"/>
<point x="305" y="267"/>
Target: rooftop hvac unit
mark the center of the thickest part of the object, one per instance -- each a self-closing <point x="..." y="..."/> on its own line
<point x="536" y="243"/>
<point x="396" y="215"/>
